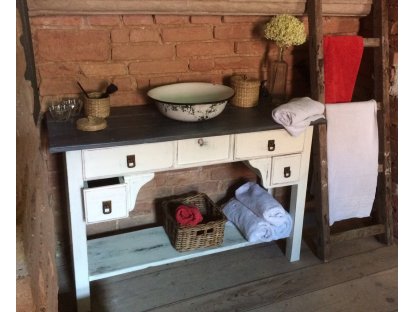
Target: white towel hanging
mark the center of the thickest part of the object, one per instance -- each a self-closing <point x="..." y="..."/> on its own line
<point x="352" y="139"/>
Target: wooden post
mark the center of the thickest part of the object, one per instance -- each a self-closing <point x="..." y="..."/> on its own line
<point x="381" y="88"/>
<point x="319" y="141"/>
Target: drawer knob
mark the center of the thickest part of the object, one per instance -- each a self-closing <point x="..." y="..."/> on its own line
<point x="201" y="142"/>
<point x="286" y="172"/>
<point x="107" y="207"/>
<point x="131" y="161"/>
<point x="271" y="146"/>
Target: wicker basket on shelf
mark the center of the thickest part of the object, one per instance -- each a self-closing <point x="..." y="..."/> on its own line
<point x="209" y="233"/>
<point x="96" y="106"/>
<point x="246" y="91"/>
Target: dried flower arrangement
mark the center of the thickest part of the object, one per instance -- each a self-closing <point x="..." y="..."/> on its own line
<point x="286" y="30"/>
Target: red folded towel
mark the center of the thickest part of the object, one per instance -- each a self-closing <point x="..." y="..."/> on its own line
<point x="187" y="215"/>
<point x="342" y="58"/>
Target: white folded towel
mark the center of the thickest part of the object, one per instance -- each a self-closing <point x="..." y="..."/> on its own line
<point x="297" y="114"/>
<point x="252" y="227"/>
<point x="352" y="152"/>
<point x="263" y="205"/>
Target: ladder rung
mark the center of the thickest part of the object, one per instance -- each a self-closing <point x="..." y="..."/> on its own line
<point x="371" y="42"/>
<point x="358" y="233"/>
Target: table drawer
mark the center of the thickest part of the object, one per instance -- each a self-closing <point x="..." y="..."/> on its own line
<point x="105" y="200"/>
<point x="207" y="149"/>
<point x="267" y="143"/>
<point x="286" y="169"/>
<point x="118" y="161"/>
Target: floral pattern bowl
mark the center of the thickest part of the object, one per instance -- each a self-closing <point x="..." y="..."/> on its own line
<point x="191" y="101"/>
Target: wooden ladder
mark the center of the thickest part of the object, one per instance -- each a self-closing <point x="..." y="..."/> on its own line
<point x="381" y="224"/>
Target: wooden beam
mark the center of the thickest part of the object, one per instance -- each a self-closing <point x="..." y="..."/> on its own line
<point x="195" y="7"/>
<point x="358" y="233"/>
<point x="371" y="42"/>
<point x="383" y="203"/>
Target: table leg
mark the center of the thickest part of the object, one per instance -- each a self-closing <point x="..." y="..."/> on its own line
<point x="78" y="232"/>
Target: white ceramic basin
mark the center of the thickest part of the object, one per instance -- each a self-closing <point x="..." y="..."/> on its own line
<point x="191" y="101"/>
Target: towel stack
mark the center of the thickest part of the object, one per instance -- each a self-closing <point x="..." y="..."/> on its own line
<point x="259" y="216"/>
<point x="297" y="114"/>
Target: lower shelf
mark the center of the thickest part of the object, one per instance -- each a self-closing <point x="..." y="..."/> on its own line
<point x="128" y="252"/>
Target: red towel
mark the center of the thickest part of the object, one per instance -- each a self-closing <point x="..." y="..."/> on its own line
<point x="187" y="215"/>
<point x="342" y="58"/>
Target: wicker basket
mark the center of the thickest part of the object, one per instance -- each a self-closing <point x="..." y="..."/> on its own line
<point x="246" y="91"/>
<point x="94" y="106"/>
<point x="207" y="234"/>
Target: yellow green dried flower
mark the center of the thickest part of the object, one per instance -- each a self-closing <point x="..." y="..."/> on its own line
<point x="286" y="30"/>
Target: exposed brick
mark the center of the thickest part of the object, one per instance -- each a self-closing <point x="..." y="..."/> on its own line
<point x="205" y="48"/>
<point x="137" y="19"/>
<point x="125" y="83"/>
<point x="73" y="45"/>
<point x="171" y="19"/>
<point x="102" y="227"/>
<point x="52" y="70"/>
<point x="250" y="47"/>
<point x="134" y="221"/>
<point x="177" y="66"/>
<point x="340" y="25"/>
<point x="191" y="77"/>
<point x="104" y="20"/>
<point x="110" y="69"/>
<point x="237" y="62"/>
<point x="235" y="32"/>
<point x="245" y="19"/>
<point x="201" y="65"/>
<point x="142" y="52"/>
<point x="127" y="98"/>
<point x="159" y="81"/>
<point x="207" y="19"/>
<point x="231" y="171"/>
<point x="197" y="33"/>
<point x="58" y="86"/>
<point x="144" y="34"/>
<point x="92" y="84"/>
<point x="56" y="20"/>
<point x="120" y="35"/>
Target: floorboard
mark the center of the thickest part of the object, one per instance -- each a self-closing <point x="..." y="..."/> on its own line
<point x="259" y="278"/>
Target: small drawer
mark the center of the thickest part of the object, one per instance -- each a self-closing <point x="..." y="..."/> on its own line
<point x="207" y="149"/>
<point x="105" y="200"/>
<point x="267" y="143"/>
<point x="122" y="160"/>
<point x="286" y="169"/>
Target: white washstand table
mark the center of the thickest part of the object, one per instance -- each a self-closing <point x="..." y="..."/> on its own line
<point x="106" y="169"/>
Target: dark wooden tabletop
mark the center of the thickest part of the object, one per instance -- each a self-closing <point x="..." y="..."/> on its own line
<point x="145" y="124"/>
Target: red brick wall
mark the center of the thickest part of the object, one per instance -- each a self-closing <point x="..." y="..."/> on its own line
<point x="138" y="52"/>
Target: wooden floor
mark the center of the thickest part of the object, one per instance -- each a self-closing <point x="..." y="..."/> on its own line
<point x="361" y="276"/>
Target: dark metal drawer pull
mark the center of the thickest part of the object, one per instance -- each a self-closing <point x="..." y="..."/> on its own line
<point x="286" y="172"/>
<point x="131" y="161"/>
<point x="107" y="207"/>
<point x="271" y="146"/>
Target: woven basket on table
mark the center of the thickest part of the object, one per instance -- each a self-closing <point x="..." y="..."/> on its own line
<point x="95" y="106"/>
<point x="208" y="233"/>
<point x="246" y="91"/>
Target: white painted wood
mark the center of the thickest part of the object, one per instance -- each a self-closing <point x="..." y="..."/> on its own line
<point x="138" y="250"/>
<point x="96" y="198"/>
<point x="262" y="167"/>
<point x="134" y="184"/>
<point x="128" y="252"/>
<point x="204" y="149"/>
<point x="112" y="161"/>
<point x="279" y="164"/>
<point x="255" y="144"/>
<point x="297" y="202"/>
<point x="77" y="229"/>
